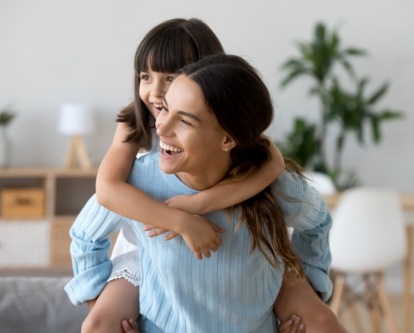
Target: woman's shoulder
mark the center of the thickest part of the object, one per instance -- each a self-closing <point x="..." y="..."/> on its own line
<point x="143" y="165"/>
<point x="292" y="183"/>
<point x="292" y="187"/>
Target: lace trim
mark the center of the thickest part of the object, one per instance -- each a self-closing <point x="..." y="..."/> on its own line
<point x="131" y="277"/>
<point x="126" y="266"/>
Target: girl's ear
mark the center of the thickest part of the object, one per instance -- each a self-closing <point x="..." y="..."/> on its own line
<point x="228" y="143"/>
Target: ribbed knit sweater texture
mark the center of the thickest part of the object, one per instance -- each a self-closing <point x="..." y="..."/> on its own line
<point x="231" y="292"/>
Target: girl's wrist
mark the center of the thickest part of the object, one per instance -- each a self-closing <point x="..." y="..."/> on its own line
<point x="199" y="203"/>
<point x="178" y="221"/>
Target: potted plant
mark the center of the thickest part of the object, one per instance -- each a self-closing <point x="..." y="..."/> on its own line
<point x="6" y="116"/>
<point x="349" y="110"/>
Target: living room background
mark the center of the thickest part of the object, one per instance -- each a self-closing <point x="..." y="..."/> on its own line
<point x="82" y="51"/>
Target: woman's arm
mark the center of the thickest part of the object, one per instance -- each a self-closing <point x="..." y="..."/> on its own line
<point x="114" y="193"/>
<point x="298" y="303"/>
<point x="90" y="234"/>
<point x="305" y="211"/>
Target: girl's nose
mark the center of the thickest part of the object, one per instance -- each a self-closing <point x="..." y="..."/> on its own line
<point x="159" y="89"/>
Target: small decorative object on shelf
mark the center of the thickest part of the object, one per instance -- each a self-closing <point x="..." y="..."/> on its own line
<point x="6" y="116"/>
<point x="76" y="121"/>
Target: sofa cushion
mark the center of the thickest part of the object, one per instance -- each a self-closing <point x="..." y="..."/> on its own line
<point x="38" y="304"/>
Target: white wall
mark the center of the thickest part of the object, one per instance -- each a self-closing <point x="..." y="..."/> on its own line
<point x="82" y="51"/>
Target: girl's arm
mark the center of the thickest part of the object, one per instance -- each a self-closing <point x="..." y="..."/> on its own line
<point x="114" y="193"/>
<point x="224" y="195"/>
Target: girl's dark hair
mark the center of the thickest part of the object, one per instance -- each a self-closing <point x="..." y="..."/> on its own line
<point x="235" y="93"/>
<point x="165" y="48"/>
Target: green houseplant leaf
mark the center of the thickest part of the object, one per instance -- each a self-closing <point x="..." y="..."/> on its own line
<point x="6" y="117"/>
<point x="352" y="111"/>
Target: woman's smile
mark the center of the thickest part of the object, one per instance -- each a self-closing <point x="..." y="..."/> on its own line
<point x="170" y="150"/>
<point x="190" y="137"/>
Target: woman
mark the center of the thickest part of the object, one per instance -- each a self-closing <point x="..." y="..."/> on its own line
<point x="210" y="130"/>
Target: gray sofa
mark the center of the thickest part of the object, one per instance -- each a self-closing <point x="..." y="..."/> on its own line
<point x="38" y="305"/>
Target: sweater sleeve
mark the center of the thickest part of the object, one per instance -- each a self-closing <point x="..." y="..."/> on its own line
<point x="89" y="250"/>
<point x="306" y="212"/>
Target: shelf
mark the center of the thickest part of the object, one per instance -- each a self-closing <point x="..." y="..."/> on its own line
<point x="45" y="241"/>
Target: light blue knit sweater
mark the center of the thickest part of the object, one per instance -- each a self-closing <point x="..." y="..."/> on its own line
<point x="232" y="292"/>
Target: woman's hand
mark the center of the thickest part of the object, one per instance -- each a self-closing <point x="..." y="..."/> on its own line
<point x="130" y="326"/>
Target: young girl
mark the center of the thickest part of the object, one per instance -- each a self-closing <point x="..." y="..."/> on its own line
<point x="163" y="50"/>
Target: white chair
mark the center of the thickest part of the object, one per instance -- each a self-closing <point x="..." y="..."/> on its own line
<point x="367" y="237"/>
<point x="321" y="182"/>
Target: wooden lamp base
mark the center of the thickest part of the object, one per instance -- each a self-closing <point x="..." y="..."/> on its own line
<point x="77" y="151"/>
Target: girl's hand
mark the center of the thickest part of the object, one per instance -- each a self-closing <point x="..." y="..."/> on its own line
<point x="153" y="231"/>
<point x="200" y="235"/>
<point x="292" y="325"/>
<point x="130" y="326"/>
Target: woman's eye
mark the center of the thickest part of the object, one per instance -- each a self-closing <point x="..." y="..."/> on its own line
<point x="144" y="77"/>
<point x="170" y="78"/>
<point x="186" y="122"/>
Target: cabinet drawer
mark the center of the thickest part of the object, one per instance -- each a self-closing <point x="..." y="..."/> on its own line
<point x="18" y="203"/>
<point x="24" y="244"/>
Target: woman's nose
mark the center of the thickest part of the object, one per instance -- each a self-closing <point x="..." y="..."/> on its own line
<point x="161" y="124"/>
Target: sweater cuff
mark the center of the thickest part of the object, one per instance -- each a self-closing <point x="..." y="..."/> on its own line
<point x="89" y="284"/>
<point x="320" y="282"/>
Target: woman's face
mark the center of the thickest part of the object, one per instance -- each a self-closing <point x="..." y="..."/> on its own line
<point x="152" y="89"/>
<point x="193" y="145"/>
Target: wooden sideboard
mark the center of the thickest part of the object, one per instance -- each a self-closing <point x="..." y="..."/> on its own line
<point x="38" y="207"/>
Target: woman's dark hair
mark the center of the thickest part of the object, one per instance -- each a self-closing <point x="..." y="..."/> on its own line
<point x="235" y="93"/>
<point x="165" y="48"/>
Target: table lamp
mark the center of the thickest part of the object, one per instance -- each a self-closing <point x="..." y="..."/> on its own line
<point x="76" y="121"/>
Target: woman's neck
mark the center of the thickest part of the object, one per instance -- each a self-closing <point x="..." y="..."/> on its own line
<point x="204" y="179"/>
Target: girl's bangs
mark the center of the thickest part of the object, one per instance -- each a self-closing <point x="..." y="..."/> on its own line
<point x="165" y="57"/>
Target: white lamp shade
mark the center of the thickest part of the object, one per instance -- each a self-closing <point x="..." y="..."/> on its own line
<point x="76" y="119"/>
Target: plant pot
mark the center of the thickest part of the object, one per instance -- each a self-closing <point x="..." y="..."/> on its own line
<point x="5" y="150"/>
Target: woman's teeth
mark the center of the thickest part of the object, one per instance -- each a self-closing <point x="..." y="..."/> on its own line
<point x="170" y="149"/>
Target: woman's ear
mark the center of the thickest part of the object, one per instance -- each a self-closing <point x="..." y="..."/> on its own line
<point x="228" y="143"/>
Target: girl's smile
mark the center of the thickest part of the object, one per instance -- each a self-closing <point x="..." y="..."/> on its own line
<point x="152" y="89"/>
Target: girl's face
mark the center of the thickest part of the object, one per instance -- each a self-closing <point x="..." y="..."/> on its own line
<point x="152" y="89"/>
<point x="193" y="145"/>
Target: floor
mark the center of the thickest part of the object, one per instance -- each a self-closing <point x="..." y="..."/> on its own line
<point x="396" y="304"/>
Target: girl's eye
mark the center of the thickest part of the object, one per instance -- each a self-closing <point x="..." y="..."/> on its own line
<point x="170" y="78"/>
<point x="144" y="77"/>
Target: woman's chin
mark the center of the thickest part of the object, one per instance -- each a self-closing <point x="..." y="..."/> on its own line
<point x="166" y="167"/>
